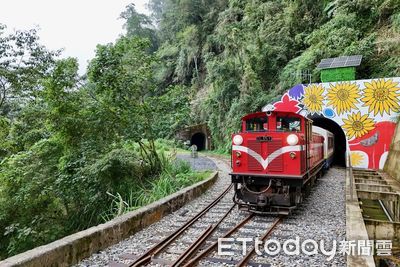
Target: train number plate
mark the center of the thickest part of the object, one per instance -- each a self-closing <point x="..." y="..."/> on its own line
<point x="264" y="138"/>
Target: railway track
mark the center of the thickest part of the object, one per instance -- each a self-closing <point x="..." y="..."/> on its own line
<point x="203" y="246"/>
<point x="204" y="255"/>
<point x="189" y="236"/>
<point x="152" y="254"/>
<point x="159" y="247"/>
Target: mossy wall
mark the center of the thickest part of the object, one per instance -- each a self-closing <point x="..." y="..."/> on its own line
<point x="338" y="74"/>
<point x="392" y="166"/>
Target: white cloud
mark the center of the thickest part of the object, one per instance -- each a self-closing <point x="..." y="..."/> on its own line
<point x="75" y="25"/>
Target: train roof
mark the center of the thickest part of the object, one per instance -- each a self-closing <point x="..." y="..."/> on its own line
<point x="322" y="131"/>
<point x="258" y="114"/>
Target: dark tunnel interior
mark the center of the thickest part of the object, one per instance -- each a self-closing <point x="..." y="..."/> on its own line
<point x="198" y="139"/>
<point x="340" y="138"/>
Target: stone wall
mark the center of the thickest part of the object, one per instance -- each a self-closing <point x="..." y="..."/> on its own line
<point x="392" y="166"/>
<point x="186" y="134"/>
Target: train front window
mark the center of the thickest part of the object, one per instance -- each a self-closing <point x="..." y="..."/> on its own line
<point x="257" y="124"/>
<point x="287" y="124"/>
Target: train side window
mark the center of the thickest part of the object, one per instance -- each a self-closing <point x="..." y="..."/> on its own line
<point x="330" y="142"/>
<point x="257" y="124"/>
<point x="288" y="124"/>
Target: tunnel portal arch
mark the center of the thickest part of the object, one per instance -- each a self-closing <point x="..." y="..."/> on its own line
<point x="198" y="135"/>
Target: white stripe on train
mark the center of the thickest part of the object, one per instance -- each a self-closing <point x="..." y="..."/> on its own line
<point x="271" y="157"/>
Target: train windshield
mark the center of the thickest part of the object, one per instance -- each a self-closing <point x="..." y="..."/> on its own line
<point x="288" y="124"/>
<point x="257" y="124"/>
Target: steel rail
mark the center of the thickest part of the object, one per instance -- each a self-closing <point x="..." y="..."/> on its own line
<point x="199" y="240"/>
<point x="193" y="247"/>
<point x="157" y="248"/>
<point x="246" y="258"/>
<point x="206" y="251"/>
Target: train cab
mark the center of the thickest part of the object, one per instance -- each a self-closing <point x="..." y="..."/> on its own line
<point x="273" y="157"/>
<point x="270" y="144"/>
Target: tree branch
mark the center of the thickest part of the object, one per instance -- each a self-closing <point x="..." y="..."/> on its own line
<point x="3" y="97"/>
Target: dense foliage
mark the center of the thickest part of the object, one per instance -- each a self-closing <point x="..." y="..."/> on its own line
<point x="234" y="56"/>
<point x="72" y="147"/>
<point x="70" y="144"/>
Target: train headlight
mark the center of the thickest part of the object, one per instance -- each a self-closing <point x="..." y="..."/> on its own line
<point x="238" y="140"/>
<point x="292" y="139"/>
<point x="292" y="155"/>
<point x="238" y="154"/>
<point x="238" y="163"/>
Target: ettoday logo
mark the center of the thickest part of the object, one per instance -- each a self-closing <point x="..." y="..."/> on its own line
<point x="308" y="247"/>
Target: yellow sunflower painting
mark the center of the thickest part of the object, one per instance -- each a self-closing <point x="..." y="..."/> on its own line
<point x="356" y="159"/>
<point x="343" y="96"/>
<point x="381" y="96"/>
<point x="313" y="98"/>
<point x="356" y="125"/>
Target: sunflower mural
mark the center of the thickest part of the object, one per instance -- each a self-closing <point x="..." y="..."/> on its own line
<point x="359" y="159"/>
<point x="313" y="97"/>
<point x="366" y="110"/>
<point x="381" y="96"/>
<point x="343" y="96"/>
<point x="357" y="125"/>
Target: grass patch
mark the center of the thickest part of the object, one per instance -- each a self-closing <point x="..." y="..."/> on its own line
<point x="175" y="176"/>
<point x="217" y="153"/>
<point x="170" y="146"/>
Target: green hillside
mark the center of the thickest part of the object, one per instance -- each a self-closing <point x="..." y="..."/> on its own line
<point x="233" y="57"/>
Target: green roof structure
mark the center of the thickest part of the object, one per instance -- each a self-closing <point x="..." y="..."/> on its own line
<point x="339" y="68"/>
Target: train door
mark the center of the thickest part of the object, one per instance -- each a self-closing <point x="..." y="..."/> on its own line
<point x="307" y="144"/>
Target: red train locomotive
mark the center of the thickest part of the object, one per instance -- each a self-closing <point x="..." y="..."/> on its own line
<point x="275" y="158"/>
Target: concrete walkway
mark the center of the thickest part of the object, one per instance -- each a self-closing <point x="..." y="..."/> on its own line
<point x="199" y="164"/>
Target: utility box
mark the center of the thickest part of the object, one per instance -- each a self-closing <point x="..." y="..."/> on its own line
<point x="339" y="68"/>
<point x="338" y="74"/>
<point x="193" y="150"/>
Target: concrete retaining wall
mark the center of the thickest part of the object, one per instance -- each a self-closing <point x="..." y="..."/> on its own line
<point x="355" y="228"/>
<point x="383" y="230"/>
<point x="73" y="248"/>
<point x="392" y="166"/>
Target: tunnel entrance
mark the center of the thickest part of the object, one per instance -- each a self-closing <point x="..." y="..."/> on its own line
<point x="339" y="158"/>
<point x="198" y="139"/>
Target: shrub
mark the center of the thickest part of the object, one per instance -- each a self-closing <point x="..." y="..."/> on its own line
<point x="175" y="176"/>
